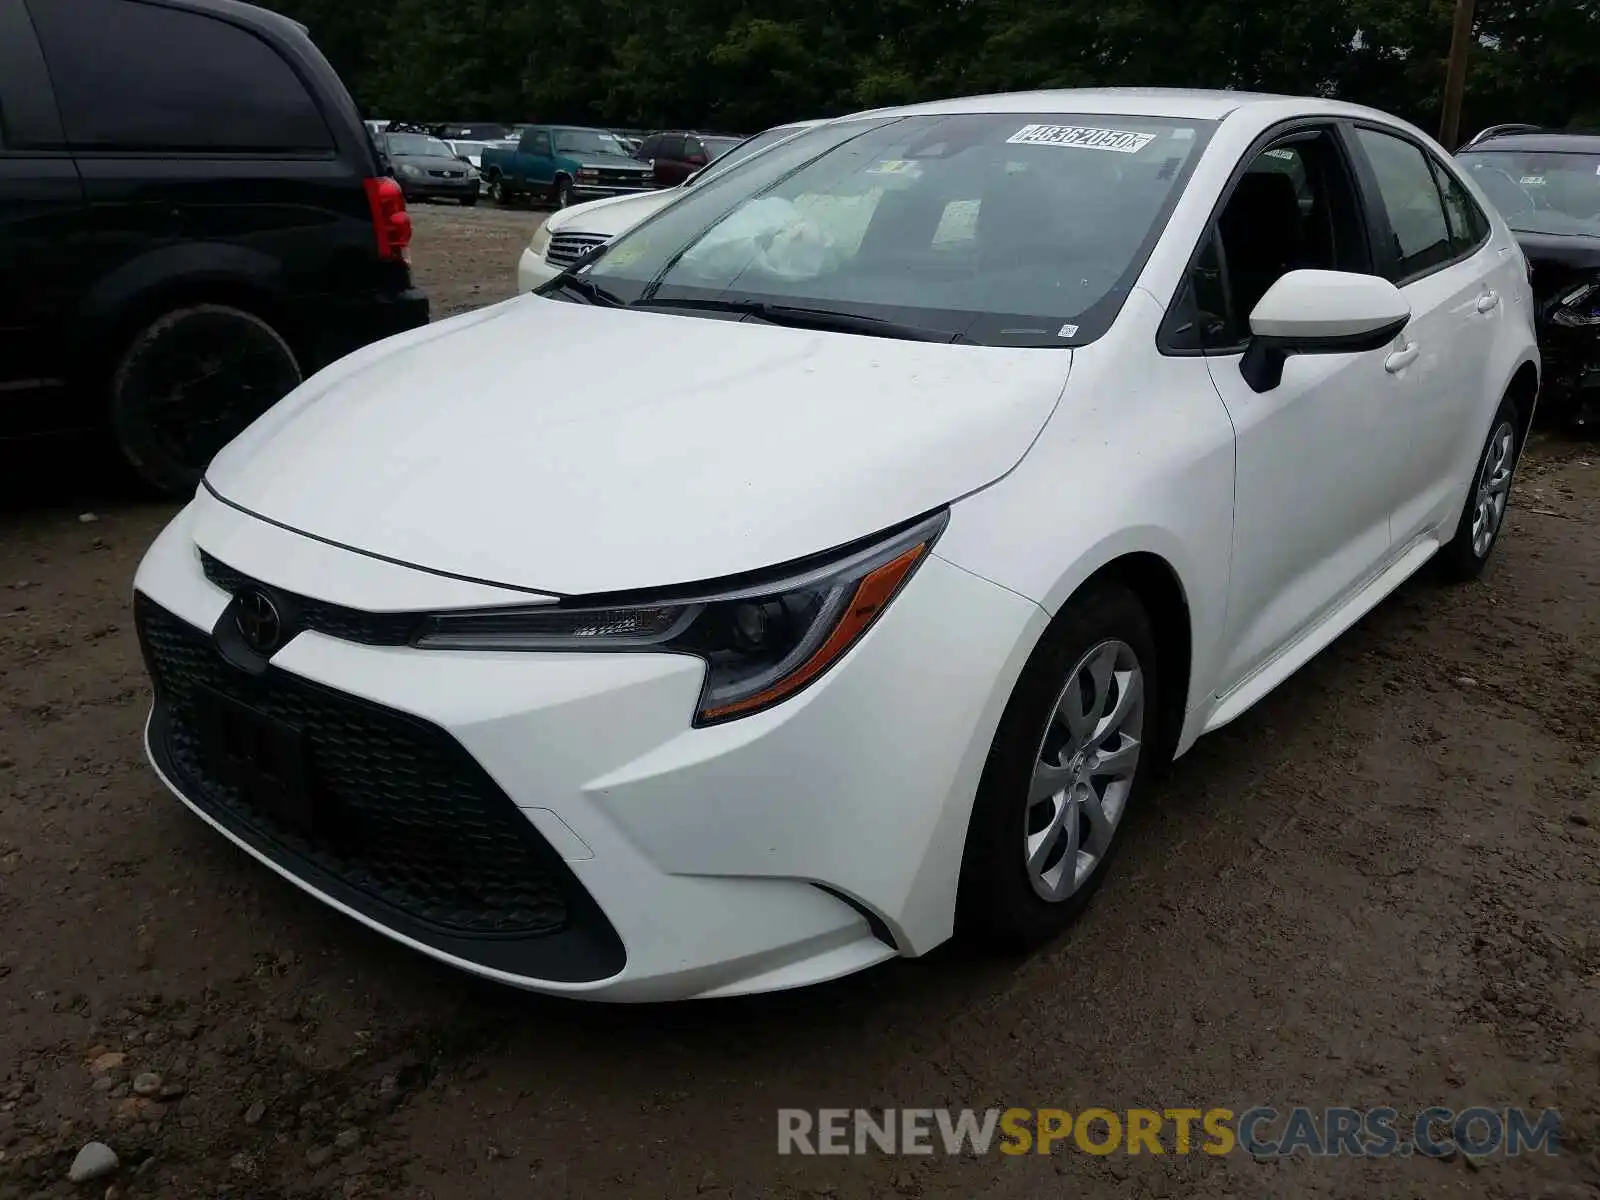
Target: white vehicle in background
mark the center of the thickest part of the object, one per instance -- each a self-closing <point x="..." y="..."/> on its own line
<point x="572" y="232"/>
<point x="472" y="152"/>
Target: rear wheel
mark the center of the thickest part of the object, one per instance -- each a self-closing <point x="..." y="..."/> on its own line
<point x="1071" y="757"/>
<point x="188" y="384"/>
<point x="1484" y="513"/>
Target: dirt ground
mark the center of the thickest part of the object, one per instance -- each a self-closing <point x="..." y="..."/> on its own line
<point x="1380" y="887"/>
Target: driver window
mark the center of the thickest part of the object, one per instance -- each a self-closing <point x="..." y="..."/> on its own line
<point x="539" y="143"/>
<point x="1293" y="208"/>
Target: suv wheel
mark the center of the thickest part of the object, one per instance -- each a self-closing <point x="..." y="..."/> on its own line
<point x="188" y="384"/>
<point x="499" y="193"/>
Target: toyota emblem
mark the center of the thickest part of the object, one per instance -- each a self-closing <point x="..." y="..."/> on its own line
<point x="258" y="620"/>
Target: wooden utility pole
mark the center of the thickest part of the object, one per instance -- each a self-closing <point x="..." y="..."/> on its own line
<point x="1455" y="77"/>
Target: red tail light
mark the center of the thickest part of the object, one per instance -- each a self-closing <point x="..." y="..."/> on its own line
<point x="390" y="221"/>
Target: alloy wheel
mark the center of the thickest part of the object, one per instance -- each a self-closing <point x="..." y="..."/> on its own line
<point x="1494" y="488"/>
<point x="1085" y="770"/>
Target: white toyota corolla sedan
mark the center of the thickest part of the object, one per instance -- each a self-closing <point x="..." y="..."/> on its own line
<point x="830" y="563"/>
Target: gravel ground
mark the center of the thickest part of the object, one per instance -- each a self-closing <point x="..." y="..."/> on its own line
<point x="1380" y="887"/>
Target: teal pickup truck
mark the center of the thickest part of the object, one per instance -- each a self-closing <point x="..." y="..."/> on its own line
<point x="562" y="164"/>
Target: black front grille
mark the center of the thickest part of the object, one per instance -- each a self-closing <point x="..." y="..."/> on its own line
<point x="402" y="814"/>
<point x="303" y="613"/>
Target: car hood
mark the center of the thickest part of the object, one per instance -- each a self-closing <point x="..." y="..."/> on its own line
<point x="609" y="162"/>
<point x="611" y="215"/>
<point x="1560" y="260"/>
<point x="543" y="444"/>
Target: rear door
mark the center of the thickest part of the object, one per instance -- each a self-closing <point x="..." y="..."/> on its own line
<point x="1446" y="278"/>
<point x="204" y="154"/>
<point x="43" y="268"/>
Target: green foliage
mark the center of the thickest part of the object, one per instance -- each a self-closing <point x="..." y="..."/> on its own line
<point x="741" y="65"/>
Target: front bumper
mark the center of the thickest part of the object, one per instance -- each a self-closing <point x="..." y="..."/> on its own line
<point x="440" y="189"/>
<point x="533" y="270"/>
<point x="775" y="851"/>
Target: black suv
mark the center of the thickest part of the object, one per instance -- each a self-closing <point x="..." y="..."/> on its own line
<point x="1546" y="184"/>
<point x="192" y="219"/>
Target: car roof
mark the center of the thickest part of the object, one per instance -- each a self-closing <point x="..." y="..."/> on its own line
<point x="1544" y="139"/>
<point x="1193" y="104"/>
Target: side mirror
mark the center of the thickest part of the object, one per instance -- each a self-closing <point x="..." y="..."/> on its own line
<point x="1320" y="312"/>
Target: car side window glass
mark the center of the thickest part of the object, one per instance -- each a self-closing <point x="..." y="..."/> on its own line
<point x="136" y="77"/>
<point x="1468" y="226"/>
<point x="1410" y="195"/>
<point x="539" y="143"/>
<point x="1293" y="208"/>
<point x="671" y="147"/>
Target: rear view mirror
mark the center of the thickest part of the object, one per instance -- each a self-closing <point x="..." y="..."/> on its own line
<point x="1320" y="312"/>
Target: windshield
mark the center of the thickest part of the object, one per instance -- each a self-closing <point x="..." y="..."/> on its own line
<point x="1540" y="191"/>
<point x="419" y="144"/>
<point x="998" y="229"/>
<point x="586" y="141"/>
<point x="468" y="147"/>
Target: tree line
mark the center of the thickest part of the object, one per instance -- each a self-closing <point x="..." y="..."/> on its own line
<point x="741" y="65"/>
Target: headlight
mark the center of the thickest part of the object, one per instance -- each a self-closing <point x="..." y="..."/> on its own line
<point x="1578" y="307"/>
<point x="540" y="241"/>
<point x="410" y="172"/>
<point x="761" y="644"/>
<point x="588" y="173"/>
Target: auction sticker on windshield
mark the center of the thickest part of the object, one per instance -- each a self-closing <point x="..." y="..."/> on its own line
<point x="1080" y="137"/>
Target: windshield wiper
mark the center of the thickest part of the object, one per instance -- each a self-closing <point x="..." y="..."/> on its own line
<point x="799" y="317"/>
<point x="576" y="285"/>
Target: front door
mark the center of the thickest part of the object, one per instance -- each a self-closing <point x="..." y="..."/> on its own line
<point x="1311" y="511"/>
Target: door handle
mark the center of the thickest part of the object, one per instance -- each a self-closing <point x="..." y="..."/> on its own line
<point x="1488" y="301"/>
<point x="1402" y="358"/>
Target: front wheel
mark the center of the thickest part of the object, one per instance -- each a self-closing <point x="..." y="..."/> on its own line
<point x="469" y="202"/>
<point x="1483" y="515"/>
<point x="1072" y="755"/>
<point x="499" y="193"/>
<point x="561" y="196"/>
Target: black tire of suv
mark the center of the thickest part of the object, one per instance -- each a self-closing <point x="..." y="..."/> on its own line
<point x="1457" y="560"/>
<point x="500" y="193"/>
<point x="997" y="902"/>
<point x="168" y="437"/>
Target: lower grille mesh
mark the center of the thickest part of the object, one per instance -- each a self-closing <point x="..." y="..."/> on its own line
<point x="403" y="814"/>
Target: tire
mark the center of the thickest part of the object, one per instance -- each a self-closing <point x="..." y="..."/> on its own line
<point x="561" y="193"/>
<point x="499" y="193"/>
<point x="469" y="202"/>
<point x="188" y="384"/>
<point x="1483" y="513"/>
<point x="1002" y="898"/>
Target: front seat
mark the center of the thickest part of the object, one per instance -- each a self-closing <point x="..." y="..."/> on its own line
<point x="1263" y="237"/>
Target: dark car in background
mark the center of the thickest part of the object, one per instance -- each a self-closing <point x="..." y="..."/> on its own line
<point x="428" y="169"/>
<point x="1546" y="183"/>
<point x="192" y="220"/>
<point x="676" y="155"/>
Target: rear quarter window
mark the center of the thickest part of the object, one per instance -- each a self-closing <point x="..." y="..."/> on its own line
<point x="131" y="76"/>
